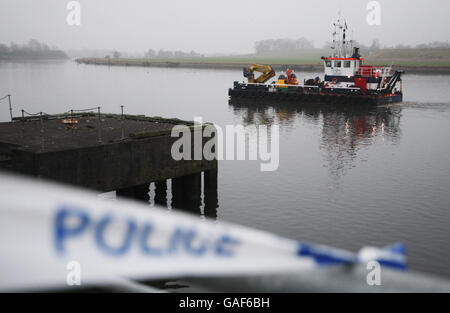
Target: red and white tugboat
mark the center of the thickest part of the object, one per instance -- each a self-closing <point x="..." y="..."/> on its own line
<point x="346" y="79"/>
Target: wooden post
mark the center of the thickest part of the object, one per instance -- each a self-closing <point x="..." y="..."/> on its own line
<point x="121" y="122"/>
<point x="10" y="107"/>
<point x="99" y="127"/>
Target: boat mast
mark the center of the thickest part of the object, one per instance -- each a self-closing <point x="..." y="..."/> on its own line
<point x="340" y="45"/>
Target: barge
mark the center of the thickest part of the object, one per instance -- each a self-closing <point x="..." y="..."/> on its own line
<point x="346" y="79"/>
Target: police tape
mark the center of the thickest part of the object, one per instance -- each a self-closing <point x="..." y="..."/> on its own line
<point x="44" y="227"/>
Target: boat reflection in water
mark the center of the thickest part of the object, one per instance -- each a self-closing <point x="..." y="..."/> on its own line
<point x="345" y="128"/>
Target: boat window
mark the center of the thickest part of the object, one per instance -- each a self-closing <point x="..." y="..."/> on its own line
<point x="328" y="63"/>
<point x="337" y="63"/>
<point x="347" y="64"/>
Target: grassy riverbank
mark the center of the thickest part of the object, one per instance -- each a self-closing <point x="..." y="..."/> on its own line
<point x="436" y="60"/>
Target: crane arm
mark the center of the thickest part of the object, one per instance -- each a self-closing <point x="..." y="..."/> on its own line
<point x="266" y="71"/>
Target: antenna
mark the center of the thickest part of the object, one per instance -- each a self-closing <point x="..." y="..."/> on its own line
<point x="342" y="46"/>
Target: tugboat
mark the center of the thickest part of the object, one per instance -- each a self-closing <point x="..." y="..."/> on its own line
<point x="346" y="79"/>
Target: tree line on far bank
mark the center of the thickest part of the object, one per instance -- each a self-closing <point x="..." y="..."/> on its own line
<point x="289" y="46"/>
<point x="171" y="54"/>
<point x="32" y="50"/>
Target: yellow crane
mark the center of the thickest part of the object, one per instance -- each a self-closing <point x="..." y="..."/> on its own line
<point x="266" y="71"/>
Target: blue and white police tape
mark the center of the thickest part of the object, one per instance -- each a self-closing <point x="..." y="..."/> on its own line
<point x="43" y="227"/>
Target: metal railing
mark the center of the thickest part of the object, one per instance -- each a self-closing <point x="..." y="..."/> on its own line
<point x="374" y="71"/>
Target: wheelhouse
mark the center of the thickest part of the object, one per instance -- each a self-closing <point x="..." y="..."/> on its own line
<point x="342" y="66"/>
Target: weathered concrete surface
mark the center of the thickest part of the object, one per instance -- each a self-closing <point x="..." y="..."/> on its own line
<point x="134" y="150"/>
<point x="52" y="135"/>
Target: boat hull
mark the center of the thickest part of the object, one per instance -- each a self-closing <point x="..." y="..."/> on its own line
<point x="300" y="94"/>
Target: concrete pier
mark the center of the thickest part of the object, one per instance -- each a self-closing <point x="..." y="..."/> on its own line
<point x="107" y="152"/>
<point x="161" y="192"/>
<point x="186" y="192"/>
<point x="140" y="192"/>
<point x="211" y="198"/>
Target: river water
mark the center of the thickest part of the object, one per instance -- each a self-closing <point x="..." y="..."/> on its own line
<point x="346" y="177"/>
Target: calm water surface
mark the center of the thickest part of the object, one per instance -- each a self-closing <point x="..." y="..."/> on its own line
<point x="346" y="178"/>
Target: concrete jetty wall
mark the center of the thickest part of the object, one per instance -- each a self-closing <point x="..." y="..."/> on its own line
<point x="99" y="155"/>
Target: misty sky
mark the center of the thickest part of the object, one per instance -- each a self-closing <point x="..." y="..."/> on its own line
<point x="210" y="26"/>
